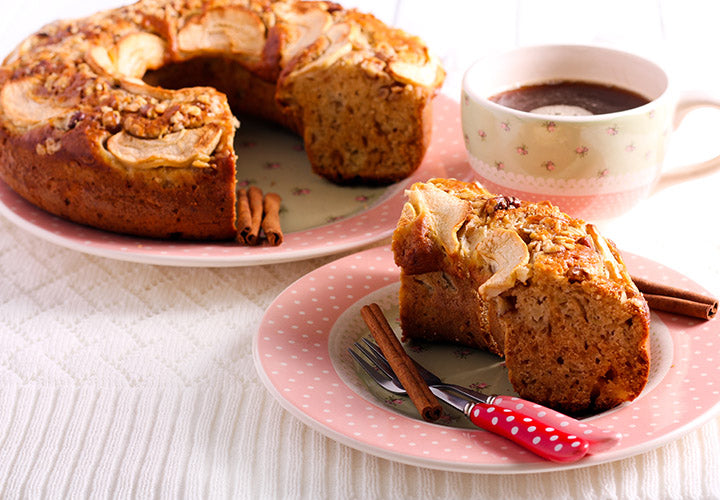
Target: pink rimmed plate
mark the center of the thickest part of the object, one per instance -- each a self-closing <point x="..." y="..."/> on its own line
<point x="300" y="352"/>
<point x="318" y="217"/>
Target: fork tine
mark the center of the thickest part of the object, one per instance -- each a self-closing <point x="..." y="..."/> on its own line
<point x="364" y="364"/>
<point x="372" y="346"/>
<point x="429" y="376"/>
<point x="379" y="361"/>
<point x="376" y="356"/>
<point x="376" y="373"/>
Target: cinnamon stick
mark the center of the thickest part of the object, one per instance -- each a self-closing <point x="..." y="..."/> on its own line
<point x="271" y="220"/>
<point x="250" y="215"/>
<point x="244" y="216"/>
<point x="403" y="366"/>
<point x="676" y="300"/>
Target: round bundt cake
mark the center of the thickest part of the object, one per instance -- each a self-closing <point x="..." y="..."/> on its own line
<point x="123" y="120"/>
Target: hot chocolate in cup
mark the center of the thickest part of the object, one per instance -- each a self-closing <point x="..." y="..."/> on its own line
<point x="594" y="162"/>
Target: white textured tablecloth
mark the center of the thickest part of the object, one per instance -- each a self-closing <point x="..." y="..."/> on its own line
<point x="129" y="380"/>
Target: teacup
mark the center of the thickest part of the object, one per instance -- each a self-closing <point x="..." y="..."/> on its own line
<point x="593" y="166"/>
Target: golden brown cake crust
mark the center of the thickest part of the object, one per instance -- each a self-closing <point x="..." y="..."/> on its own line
<point x="528" y="282"/>
<point x="84" y="137"/>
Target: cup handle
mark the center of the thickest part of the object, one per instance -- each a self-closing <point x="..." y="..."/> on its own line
<point x="686" y="103"/>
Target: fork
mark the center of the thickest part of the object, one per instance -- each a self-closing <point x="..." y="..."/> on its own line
<point x="433" y="380"/>
<point x="545" y="441"/>
<point x="599" y="439"/>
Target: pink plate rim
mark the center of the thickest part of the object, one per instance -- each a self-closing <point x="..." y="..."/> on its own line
<point x="292" y="354"/>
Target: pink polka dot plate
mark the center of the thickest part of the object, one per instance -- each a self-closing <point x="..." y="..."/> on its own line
<point x="318" y="217"/>
<point x="300" y="352"/>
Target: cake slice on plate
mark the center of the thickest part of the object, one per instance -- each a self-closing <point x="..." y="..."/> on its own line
<point x="527" y="282"/>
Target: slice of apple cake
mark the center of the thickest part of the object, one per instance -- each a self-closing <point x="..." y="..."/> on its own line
<point x="526" y="282"/>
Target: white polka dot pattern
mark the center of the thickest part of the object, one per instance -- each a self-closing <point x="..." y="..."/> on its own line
<point x="293" y="357"/>
<point x="598" y="439"/>
<point x="549" y="443"/>
<point x="446" y="157"/>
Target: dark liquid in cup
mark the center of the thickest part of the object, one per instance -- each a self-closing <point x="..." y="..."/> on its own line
<point x="570" y="98"/>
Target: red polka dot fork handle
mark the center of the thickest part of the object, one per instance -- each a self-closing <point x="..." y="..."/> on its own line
<point x="599" y="439"/>
<point x="518" y="426"/>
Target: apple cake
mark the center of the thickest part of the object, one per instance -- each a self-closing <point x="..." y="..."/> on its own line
<point x="122" y="120"/>
<point x="526" y="282"/>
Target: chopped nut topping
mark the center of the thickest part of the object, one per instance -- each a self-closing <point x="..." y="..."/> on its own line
<point x="111" y="120"/>
<point x="577" y="274"/>
<point x="48" y="147"/>
<point x="52" y="146"/>
<point x="161" y="107"/>
<point x="75" y="118"/>
<point x="193" y="111"/>
<point x="502" y="203"/>
<point x="585" y="241"/>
